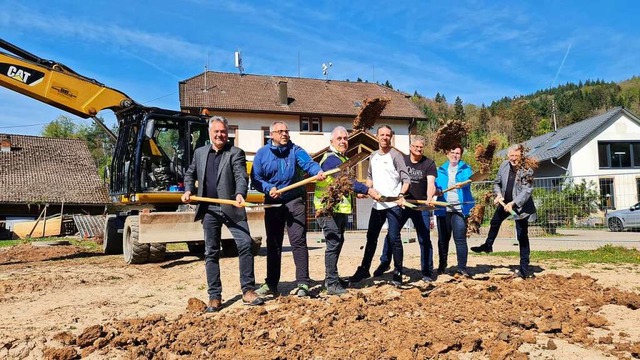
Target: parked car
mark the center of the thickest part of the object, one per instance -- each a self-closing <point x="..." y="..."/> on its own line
<point x="624" y="219"/>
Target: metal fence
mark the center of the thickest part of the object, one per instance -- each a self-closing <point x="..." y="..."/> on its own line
<point x="568" y="201"/>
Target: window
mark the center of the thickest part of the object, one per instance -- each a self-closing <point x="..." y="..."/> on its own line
<point x="607" y="198"/>
<point x="266" y="135"/>
<point x="619" y="154"/>
<point x="638" y="188"/>
<point x="233" y="133"/>
<point x="310" y="124"/>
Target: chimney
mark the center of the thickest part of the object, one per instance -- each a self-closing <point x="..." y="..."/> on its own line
<point x="282" y="92"/>
<point x="6" y="143"/>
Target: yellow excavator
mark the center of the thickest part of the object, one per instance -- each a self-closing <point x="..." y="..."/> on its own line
<point x="153" y="149"/>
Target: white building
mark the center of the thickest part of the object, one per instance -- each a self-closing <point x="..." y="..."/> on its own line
<point x="604" y="149"/>
<point x="310" y="107"/>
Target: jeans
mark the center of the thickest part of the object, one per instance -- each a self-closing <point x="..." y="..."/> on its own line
<point x="377" y="218"/>
<point x="291" y="215"/>
<point x="453" y="222"/>
<point x="522" y="234"/>
<point x="333" y="230"/>
<point x="421" y="221"/>
<point x="212" y="225"/>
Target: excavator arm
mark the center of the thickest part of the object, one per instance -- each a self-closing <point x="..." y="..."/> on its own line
<point x="57" y="85"/>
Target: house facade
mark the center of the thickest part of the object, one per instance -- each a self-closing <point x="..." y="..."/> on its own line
<point x="312" y="108"/>
<point x="603" y="150"/>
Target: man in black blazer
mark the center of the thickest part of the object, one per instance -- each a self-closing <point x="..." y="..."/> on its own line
<point x="221" y="172"/>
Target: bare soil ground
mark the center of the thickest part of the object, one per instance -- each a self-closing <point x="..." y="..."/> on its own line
<point x="62" y="302"/>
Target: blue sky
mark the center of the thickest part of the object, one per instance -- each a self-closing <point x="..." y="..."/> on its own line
<point x="478" y="50"/>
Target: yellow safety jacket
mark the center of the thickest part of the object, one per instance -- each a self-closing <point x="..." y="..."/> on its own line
<point x="344" y="206"/>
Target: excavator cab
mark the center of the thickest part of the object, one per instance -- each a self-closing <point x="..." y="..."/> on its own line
<point x="152" y="153"/>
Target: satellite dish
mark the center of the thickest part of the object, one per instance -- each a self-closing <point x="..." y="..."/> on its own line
<point x="238" y="61"/>
<point x="325" y="68"/>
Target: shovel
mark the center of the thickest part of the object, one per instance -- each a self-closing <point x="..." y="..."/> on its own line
<point x="476" y="176"/>
<point x="231" y="202"/>
<point x="344" y="166"/>
<point x="513" y="213"/>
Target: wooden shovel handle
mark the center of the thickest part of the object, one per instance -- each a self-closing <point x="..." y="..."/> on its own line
<point x="306" y="181"/>
<point x="435" y="203"/>
<point x="458" y="185"/>
<point x="504" y="205"/>
<point x="218" y="201"/>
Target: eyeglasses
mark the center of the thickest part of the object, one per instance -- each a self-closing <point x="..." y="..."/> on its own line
<point x="281" y="131"/>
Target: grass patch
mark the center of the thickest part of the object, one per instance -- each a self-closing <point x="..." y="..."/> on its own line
<point x="85" y="244"/>
<point x="607" y="254"/>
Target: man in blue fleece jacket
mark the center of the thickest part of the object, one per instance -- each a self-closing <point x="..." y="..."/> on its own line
<point x="278" y="164"/>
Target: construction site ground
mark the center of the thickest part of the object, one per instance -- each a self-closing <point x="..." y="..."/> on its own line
<point x="63" y="302"/>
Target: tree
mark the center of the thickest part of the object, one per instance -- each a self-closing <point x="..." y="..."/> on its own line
<point x="458" y="109"/>
<point x="61" y="128"/>
<point x="544" y="126"/>
<point x="482" y="127"/>
<point x="524" y="119"/>
<point x="97" y="140"/>
<point x="388" y="84"/>
<point x="358" y="80"/>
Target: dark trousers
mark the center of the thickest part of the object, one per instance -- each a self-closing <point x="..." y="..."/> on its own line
<point x="333" y="231"/>
<point x="456" y="224"/>
<point x="421" y="221"/>
<point x="377" y="218"/>
<point x="522" y="234"/>
<point x="291" y="215"/>
<point x="212" y="225"/>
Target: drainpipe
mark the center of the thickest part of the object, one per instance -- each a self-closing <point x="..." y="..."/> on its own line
<point x="560" y="166"/>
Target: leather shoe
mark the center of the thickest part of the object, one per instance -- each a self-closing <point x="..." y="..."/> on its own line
<point x="381" y="269"/>
<point x="523" y="275"/>
<point x="462" y="273"/>
<point x="397" y="278"/>
<point x="360" y="274"/>
<point x="214" y="306"/>
<point x="251" y="298"/>
<point x="482" y="248"/>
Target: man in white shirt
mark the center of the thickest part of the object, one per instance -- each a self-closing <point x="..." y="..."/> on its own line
<point x="388" y="175"/>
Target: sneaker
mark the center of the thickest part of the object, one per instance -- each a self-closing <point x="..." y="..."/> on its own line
<point x="344" y="283"/>
<point x="336" y="290"/>
<point x="428" y="279"/>
<point x="382" y="268"/>
<point x="265" y="290"/>
<point x="303" y="290"/>
<point x="397" y="278"/>
<point x="523" y="275"/>
<point x="360" y="274"/>
<point x="482" y="248"/>
<point x="462" y="273"/>
<point x="441" y="270"/>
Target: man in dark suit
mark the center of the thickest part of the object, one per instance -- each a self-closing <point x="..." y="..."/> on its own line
<point x="221" y="172"/>
<point x="513" y="187"/>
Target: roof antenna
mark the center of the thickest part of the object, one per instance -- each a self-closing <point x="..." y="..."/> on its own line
<point x="238" y="62"/>
<point x="204" y="89"/>
<point x="325" y="69"/>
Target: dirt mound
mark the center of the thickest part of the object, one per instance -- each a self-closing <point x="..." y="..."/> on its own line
<point x="492" y="318"/>
<point x="29" y="253"/>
